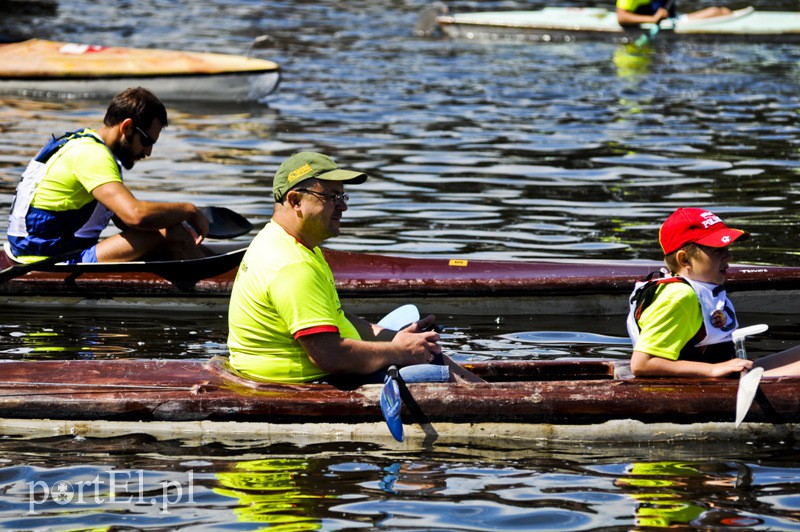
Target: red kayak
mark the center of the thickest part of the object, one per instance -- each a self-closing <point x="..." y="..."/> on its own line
<point x="373" y="284"/>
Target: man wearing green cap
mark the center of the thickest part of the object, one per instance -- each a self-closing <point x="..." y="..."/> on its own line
<point x="286" y="323"/>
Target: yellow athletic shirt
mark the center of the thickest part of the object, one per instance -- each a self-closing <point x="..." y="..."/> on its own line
<point x="282" y="287"/>
<point x="79" y="167"/>
<point x="631" y="5"/>
<point x="670" y="322"/>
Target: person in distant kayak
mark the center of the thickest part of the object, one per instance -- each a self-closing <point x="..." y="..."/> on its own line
<point x="630" y="12"/>
<point x="286" y="323"/>
<point x="682" y="324"/>
<point x="73" y="188"/>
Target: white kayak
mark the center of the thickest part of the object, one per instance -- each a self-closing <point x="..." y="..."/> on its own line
<point x="46" y="68"/>
<point x="571" y="23"/>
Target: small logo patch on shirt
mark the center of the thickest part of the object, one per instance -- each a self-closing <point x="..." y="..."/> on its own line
<point x="719" y="319"/>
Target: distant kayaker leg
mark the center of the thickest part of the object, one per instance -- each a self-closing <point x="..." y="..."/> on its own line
<point x="709" y="12"/>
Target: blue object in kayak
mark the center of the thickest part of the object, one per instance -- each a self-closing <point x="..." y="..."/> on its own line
<point x="390" y="395"/>
<point x="390" y="404"/>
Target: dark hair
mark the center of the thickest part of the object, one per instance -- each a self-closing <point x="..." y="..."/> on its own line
<point x="138" y="104"/>
<point x="692" y="251"/>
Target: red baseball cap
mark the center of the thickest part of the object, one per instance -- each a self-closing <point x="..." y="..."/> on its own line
<point x="698" y="226"/>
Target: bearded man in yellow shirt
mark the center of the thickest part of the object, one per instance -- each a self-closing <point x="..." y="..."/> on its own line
<point x="73" y="188"/>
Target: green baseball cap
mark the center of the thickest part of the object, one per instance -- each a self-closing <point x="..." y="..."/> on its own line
<point x="307" y="165"/>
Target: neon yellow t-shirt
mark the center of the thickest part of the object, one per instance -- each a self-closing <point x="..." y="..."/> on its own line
<point x="79" y="167"/>
<point x="670" y="322"/>
<point x="631" y="5"/>
<point x="282" y="287"/>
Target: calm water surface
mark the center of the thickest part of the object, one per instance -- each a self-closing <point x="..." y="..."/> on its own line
<point x="477" y="150"/>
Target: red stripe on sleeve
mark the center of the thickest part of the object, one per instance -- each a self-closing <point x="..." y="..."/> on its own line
<point x="316" y="330"/>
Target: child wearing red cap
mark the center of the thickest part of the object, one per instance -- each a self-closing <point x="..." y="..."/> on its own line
<point x="681" y="324"/>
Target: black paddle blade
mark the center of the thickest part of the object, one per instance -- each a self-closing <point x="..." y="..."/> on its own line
<point x="224" y="223"/>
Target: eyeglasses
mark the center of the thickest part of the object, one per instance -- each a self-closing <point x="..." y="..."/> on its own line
<point x="336" y="198"/>
<point x="147" y="140"/>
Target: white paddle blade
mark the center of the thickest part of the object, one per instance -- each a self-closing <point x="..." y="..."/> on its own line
<point x="743" y="332"/>
<point x="400" y="317"/>
<point x="748" y="386"/>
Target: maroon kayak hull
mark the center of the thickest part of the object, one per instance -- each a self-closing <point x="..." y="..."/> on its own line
<point x="370" y="283"/>
<point x="577" y="394"/>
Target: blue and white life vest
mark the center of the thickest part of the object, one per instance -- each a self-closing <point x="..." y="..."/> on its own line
<point x="84" y="224"/>
<point x="719" y="316"/>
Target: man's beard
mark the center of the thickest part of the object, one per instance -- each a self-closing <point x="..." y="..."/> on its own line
<point x="124" y="153"/>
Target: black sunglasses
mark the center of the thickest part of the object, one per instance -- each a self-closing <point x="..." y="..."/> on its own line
<point x="147" y="140"/>
<point x="335" y="198"/>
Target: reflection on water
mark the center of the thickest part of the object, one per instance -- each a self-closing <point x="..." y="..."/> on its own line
<point x="346" y="485"/>
<point x="662" y="491"/>
<point x="73" y="334"/>
<point x="632" y="60"/>
<point x="275" y="491"/>
<point x="573" y="150"/>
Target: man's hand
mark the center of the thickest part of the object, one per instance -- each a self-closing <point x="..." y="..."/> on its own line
<point x="419" y="344"/>
<point x="457" y="373"/>
<point x="425" y="324"/>
<point x="199" y="221"/>
<point x="197" y="227"/>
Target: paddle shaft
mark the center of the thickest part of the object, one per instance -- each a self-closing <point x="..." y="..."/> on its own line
<point x="740" y="351"/>
<point x="740" y="334"/>
<point x="738" y="340"/>
<point x="223" y="223"/>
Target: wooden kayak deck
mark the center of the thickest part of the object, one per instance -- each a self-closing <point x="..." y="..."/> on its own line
<point x="373" y="284"/>
<point x="568" y="399"/>
<point x="40" y="59"/>
<point x="39" y="66"/>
